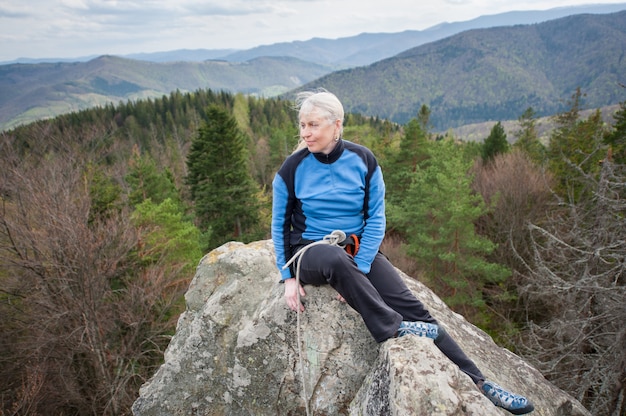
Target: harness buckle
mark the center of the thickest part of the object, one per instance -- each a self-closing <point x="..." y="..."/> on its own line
<point x="351" y="244"/>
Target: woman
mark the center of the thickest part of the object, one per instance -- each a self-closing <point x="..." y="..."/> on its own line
<point x="332" y="184"/>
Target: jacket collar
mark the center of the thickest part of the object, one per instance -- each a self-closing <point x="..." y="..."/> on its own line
<point x="333" y="156"/>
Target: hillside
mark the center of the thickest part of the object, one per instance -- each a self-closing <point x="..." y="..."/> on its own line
<point x="493" y="74"/>
<point x="31" y="92"/>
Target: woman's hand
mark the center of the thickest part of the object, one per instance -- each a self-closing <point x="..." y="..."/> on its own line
<point x="291" y="294"/>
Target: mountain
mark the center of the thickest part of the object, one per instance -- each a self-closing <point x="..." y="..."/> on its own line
<point x="535" y="69"/>
<point x="367" y="48"/>
<point x="31" y="92"/>
<point x="362" y="49"/>
<point x="493" y="74"/>
<point x="185" y="55"/>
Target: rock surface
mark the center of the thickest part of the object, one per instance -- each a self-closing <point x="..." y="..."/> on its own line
<point x="236" y="352"/>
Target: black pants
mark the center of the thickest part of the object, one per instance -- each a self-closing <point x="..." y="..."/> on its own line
<point x="381" y="297"/>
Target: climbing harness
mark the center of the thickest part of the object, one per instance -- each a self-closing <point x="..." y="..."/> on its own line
<point x="351" y="244"/>
<point x="336" y="238"/>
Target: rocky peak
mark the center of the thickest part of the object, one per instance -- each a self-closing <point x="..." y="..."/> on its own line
<point x="236" y="352"/>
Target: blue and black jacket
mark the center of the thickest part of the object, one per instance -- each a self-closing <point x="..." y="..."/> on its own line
<point x="315" y="194"/>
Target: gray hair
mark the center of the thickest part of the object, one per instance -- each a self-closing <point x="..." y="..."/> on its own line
<point x="322" y="100"/>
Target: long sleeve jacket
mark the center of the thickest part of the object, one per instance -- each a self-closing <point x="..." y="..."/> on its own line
<point x="315" y="194"/>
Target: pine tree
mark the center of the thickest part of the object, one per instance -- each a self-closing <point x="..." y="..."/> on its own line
<point x="576" y="148"/>
<point x="496" y="143"/>
<point x="424" y="117"/>
<point x="147" y="182"/>
<point x="219" y="179"/>
<point x="166" y="237"/>
<point x="104" y="193"/>
<point x="440" y="210"/>
<point x="400" y="164"/>
<point x="528" y="138"/>
<point x="616" y="139"/>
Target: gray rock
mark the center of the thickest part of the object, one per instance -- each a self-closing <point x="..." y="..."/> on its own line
<point x="236" y="352"/>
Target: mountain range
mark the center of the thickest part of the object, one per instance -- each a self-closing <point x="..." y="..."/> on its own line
<point x="464" y="74"/>
<point x="493" y="74"/>
<point x="34" y="91"/>
<point x="358" y="50"/>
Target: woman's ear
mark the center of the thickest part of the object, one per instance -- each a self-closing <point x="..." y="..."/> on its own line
<point x="338" y="124"/>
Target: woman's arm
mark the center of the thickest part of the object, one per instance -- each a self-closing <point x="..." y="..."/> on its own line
<point x="281" y="225"/>
<point x="375" y="222"/>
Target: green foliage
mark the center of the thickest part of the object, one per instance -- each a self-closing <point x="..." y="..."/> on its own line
<point x="221" y="187"/>
<point x="528" y="138"/>
<point x="401" y="163"/>
<point x="146" y="182"/>
<point x="616" y="139"/>
<point x="438" y="214"/>
<point x="576" y="149"/>
<point x="376" y="134"/>
<point x="105" y="195"/>
<point x="424" y="117"/>
<point x="165" y="237"/>
<point x="495" y="144"/>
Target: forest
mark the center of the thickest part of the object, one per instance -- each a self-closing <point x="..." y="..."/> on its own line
<point x="105" y="213"/>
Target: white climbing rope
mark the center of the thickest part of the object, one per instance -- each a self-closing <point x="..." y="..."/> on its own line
<point x="334" y="239"/>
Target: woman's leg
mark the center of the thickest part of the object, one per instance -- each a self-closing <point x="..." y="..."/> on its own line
<point x="383" y="300"/>
<point x="326" y="264"/>
<point x="397" y="295"/>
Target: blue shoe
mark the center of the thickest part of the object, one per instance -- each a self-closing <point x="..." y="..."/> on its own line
<point x="421" y="329"/>
<point x="518" y="405"/>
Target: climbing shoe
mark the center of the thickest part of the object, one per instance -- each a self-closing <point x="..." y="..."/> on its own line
<point x="518" y="405"/>
<point x="421" y="329"/>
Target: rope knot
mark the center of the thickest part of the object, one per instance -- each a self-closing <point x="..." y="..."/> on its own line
<point x="335" y="238"/>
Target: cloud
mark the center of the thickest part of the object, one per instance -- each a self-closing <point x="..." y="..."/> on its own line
<point x="72" y="28"/>
<point x="232" y="8"/>
<point x="15" y="11"/>
<point x="11" y="13"/>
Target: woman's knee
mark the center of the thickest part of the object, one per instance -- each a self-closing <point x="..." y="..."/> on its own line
<point x="325" y="257"/>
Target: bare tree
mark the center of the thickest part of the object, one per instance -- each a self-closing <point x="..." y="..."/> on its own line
<point x="82" y="325"/>
<point x="575" y="292"/>
<point x="518" y="190"/>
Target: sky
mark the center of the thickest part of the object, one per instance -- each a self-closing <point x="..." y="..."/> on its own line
<point x="79" y="28"/>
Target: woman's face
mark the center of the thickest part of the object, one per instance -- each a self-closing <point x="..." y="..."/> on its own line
<point x="318" y="133"/>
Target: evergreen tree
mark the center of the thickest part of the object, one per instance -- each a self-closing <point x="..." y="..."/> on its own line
<point x="576" y="148"/>
<point x="616" y="139"/>
<point x="400" y="164"/>
<point x="424" y="117"/>
<point x="528" y="138"/>
<point x="165" y="237"/>
<point x="438" y="213"/>
<point x="104" y="193"/>
<point x="147" y="182"/>
<point x="495" y="144"/>
<point x="220" y="183"/>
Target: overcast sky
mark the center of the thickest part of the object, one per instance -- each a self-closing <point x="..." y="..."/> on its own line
<point x="77" y="28"/>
